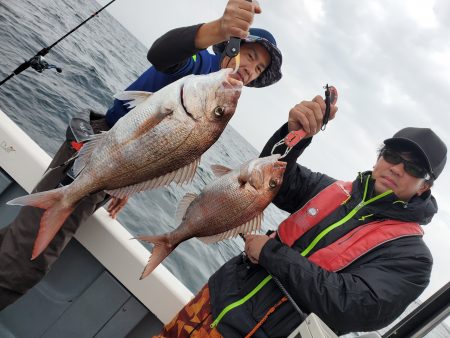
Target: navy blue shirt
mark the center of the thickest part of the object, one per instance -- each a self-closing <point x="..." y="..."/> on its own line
<point x="152" y="80"/>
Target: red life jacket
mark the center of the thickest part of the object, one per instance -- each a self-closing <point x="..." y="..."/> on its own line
<point x="354" y="244"/>
<point x="342" y="252"/>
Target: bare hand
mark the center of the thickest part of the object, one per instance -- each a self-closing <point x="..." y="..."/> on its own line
<point x="237" y="18"/>
<point x="254" y="245"/>
<point x="235" y="21"/>
<point x="308" y="115"/>
<point x="116" y="205"/>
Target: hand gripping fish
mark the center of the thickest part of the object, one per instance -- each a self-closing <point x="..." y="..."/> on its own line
<point x="158" y="142"/>
<point x="232" y="204"/>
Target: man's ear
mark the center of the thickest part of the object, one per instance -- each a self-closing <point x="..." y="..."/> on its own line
<point x="425" y="187"/>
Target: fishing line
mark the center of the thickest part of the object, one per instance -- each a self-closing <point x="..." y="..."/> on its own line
<point x="280" y="285"/>
<point x="38" y="62"/>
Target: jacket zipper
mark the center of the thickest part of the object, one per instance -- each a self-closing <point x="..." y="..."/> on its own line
<point x="333" y="226"/>
<point x="240" y="301"/>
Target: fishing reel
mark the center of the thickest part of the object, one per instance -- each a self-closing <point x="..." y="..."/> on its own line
<point x="39" y="64"/>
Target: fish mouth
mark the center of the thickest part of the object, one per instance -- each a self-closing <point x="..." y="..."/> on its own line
<point x="182" y="103"/>
<point x="236" y="77"/>
<point x="234" y="82"/>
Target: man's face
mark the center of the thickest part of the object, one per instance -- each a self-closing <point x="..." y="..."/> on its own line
<point x="393" y="176"/>
<point x="254" y="61"/>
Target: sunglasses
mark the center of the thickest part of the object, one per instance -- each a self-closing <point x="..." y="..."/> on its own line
<point x="411" y="168"/>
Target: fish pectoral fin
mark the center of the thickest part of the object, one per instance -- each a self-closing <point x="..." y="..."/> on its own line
<point x="220" y="170"/>
<point x="134" y="97"/>
<point x="184" y="204"/>
<point x="182" y="175"/>
<point x="152" y="121"/>
<point x="86" y="151"/>
<point x="249" y="227"/>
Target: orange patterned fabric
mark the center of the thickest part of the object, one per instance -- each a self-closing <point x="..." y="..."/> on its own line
<point x="193" y="320"/>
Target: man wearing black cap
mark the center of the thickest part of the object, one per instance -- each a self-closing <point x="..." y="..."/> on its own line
<point x="351" y="252"/>
<point x="176" y="54"/>
<point x="426" y="147"/>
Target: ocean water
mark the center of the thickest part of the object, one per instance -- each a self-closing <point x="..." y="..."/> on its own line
<point x="98" y="60"/>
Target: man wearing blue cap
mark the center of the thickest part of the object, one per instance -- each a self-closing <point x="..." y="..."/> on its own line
<point x="182" y="51"/>
<point x="176" y="54"/>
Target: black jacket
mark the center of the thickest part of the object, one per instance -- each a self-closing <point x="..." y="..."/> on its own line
<point x="367" y="295"/>
<point x="170" y="51"/>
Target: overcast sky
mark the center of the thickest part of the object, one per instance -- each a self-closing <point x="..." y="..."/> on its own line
<point x="389" y="60"/>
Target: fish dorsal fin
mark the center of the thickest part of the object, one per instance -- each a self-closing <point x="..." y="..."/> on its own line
<point x="220" y="170"/>
<point x="86" y="151"/>
<point x="249" y="227"/>
<point x="134" y="97"/>
<point x="184" y="204"/>
<point x="180" y="176"/>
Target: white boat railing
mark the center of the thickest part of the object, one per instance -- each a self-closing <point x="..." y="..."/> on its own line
<point x="103" y="237"/>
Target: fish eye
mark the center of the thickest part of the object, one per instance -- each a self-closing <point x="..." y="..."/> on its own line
<point x="273" y="183"/>
<point x="219" y="111"/>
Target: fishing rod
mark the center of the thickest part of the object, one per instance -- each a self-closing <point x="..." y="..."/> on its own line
<point x="38" y="62"/>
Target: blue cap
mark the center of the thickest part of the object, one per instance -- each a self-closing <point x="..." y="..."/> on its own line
<point x="272" y="73"/>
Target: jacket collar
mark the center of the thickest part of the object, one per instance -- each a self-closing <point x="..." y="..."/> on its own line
<point x="420" y="209"/>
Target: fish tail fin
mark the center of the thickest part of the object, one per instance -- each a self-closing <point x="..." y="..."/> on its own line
<point x="162" y="248"/>
<point x="52" y="219"/>
<point x="43" y="200"/>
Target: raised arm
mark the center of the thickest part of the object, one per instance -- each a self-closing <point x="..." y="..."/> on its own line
<point x="169" y="52"/>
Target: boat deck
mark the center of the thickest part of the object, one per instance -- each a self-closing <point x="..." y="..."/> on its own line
<point x="77" y="298"/>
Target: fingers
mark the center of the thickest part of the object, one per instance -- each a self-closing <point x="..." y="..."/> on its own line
<point x="333" y="108"/>
<point x="256" y="7"/>
<point x="238" y="17"/>
<point x="116" y="205"/>
<point x="308" y="115"/>
<point x="112" y="204"/>
<point x="333" y="112"/>
<point x="254" y="245"/>
<point x="249" y="249"/>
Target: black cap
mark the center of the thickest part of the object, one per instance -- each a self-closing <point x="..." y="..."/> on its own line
<point x="272" y="73"/>
<point x="427" y="143"/>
